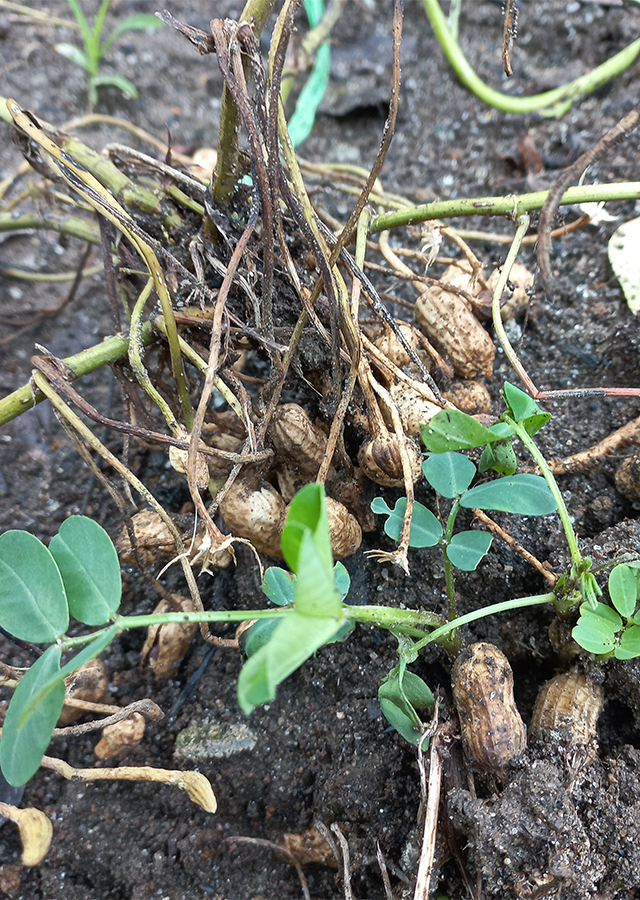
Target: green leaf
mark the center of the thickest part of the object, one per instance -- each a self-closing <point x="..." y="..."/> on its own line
<point x="308" y="510"/>
<point x="118" y="81"/>
<point x="93" y="649"/>
<point x="591" y="639"/>
<point x="294" y="640"/>
<point x="454" y="430"/>
<point x="601" y="617"/>
<point x="623" y="590"/>
<point x="467" y="548"/>
<point x="523" y="495"/>
<point x="137" y="22"/>
<point x="533" y="424"/>
<point x="259" y="634"/>
<point x="629" y="647"/>
<point x="33" y="604"/>
<point x="90" y="570"/>
<point x="450" y="474"/>
<point x="81" y="20"/>
<point x="520" y="405"/>
<point x="342" y="580"/>
<point x="315" y="590"/>
<point x="500" y="457"/>
<point x="75" y="54"/>
<point x="501" y="430"/>
<point x="426" y="531"/>
<point x="22" y="747"/>
<point x="279" y="586"/>
<point x="400" y="695"/>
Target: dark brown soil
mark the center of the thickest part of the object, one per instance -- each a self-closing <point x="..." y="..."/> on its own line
<point x="557" y="827"/>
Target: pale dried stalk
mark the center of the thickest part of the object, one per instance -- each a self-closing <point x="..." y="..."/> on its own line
<point x="622" y="437"/>
<point x="195" y="784"/>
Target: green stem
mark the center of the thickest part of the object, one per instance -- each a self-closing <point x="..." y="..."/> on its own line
<point x="102" y="354"/>
<point x="519" y="603"/>
<point x="555" y="102"/>
<point x="513" y="206"/>
<point x="563" y="512"/>
<point x="448" y="567"/>
<point x="46" y="218"/>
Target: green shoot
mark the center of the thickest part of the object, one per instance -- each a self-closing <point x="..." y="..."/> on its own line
<point x="91" y="56"/>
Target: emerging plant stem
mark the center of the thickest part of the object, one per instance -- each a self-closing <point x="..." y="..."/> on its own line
<point x="448" y="567"/>
<point x="555" y="102"/>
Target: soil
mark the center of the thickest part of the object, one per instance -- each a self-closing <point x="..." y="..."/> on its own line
<point x="561" y="824"/>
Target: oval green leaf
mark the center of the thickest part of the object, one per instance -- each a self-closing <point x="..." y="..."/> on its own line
<point x="90" y="570"/>
<point x="467" y="548"/>
<point x="279" y="586"/>
<point x="426" y="531"/>
<point x="22" y="748"/>
<point x="523" y="495"/>
<point x="450" y="474"/>
<point x="308" y="510"/>
<point x="592" y="640"/>
<point x="629" y="647"/>
<point x="520" y="405"/>
<point x="33" y="604"/>
<point x="600" y="616"/>
<point x="402" y="723"/>
<point x="623" y="590"/>
<point x="454" y="430"/>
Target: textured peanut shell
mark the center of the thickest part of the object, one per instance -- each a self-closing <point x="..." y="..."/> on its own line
<point x="117" y="739"/>
<point x="255" y="511"/>
<point x="570" y="704"/>
<point x="389" y="344"/>
<point x="90" y="682"/>
<point x="380" y="460"/>
<point x="493" y="733"/>
<point x="298" y="443"/>
<point x="166" y="645"/>
<point x="471" y="397"/>
<point x="447" y="320"/>
<point x="628" y="477"/>
<point x="413" y="407"/>
<point x="344" y="530"/>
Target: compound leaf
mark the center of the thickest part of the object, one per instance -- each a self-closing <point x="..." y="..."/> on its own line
<point x="426" y="531"/>
<point x="623" y="590"/>
<point x="629" y="647"/>
<point x="454" y="430"/>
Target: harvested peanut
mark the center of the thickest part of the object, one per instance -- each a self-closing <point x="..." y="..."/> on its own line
<point x="381" y="462"/>
<point x="493" y="733"/>
<point x="522" y="280"/>
<point x="119" y="738"/>
<point x="309" y="848"/>
<point x="471" y="397"/>
<point x="568" y="704"/>
<point x="344" y="530"/>
<point x="298" y="443"/>
<point x="166" y="645"/>
<point x="389" y="344"/>
<point x="447" y="320"/>
<point x="627" y="477"/>
<point x="413" y="407"/>
<point x="255" y="510"/>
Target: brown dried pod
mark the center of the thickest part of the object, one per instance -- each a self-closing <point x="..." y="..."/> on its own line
<point x="89" y="682"/>
<point x="628" y="477"/>
<point x="290" y="481"/>
<point x="493" y="733"/>
<point x="447" y="320"/>
<point x="344" y="530"/>
<point x="380" y="460"/>
<point x="255" y="510"/>
<point x="471" y="397"/>
<point x="166" y="645"/>
<point x="389" y="344"/>
<point x="119" y="738"/>
<point x="568" y="705"/>
<point x="298" y="443"/>
<point x="413" y="407"/>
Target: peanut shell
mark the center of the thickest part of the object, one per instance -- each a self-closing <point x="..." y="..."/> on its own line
<point x="569" y="704"/>
<point x="255" y="510"/>
<point x="119" y="738"/>
<point x="493" y="733"/>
